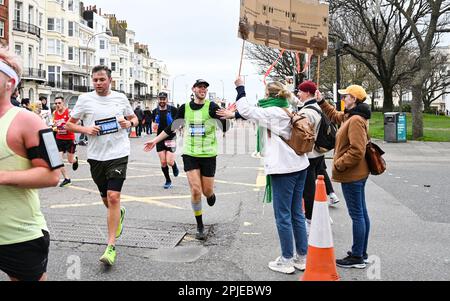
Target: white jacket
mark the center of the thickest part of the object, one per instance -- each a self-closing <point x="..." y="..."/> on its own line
<point x="279" y="158"/>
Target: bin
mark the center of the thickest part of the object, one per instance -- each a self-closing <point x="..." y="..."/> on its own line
<point x="395" y="127"/>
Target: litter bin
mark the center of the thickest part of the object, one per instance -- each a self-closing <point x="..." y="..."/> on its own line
<point x="395" y="129"/>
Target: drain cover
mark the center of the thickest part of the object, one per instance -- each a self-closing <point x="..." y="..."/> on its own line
<point x="131" y="237"/>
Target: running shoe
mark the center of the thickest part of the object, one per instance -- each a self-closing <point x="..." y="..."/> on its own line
<point x="75" y="164"/>
<point x="168" y="185"/>
<point x="175" y="170"/>
<point x="109" y="257"/>
<point x="211" y="200"/>
<point x="120" y="228"/>
<point x="65" y="183"/>
<point x="200" y="235"/>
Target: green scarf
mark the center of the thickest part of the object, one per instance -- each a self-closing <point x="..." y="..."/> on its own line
<point x="268" y="103"/>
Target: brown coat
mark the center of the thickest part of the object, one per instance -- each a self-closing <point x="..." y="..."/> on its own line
<point x="349" y="163"/>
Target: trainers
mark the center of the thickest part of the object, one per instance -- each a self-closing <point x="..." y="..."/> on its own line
<point x="176" y="171"/>
<point x="120" y="227"/>
<point x="333" y="199"/>
<point x="75" y="164"/>
<point x="200" y="235"/>
<point x="109" y="257"/>
<point x="351" y="262"/>
<point x="282" y="265"/>
<point x="211" y="200"/>
<point x="300" y="262"/>
<point x="365" y="257"/>
<point x="168" y="185"/>
<point x="65" y="183"/>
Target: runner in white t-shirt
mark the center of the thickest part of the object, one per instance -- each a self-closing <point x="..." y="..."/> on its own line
<point x="106" y="116"/>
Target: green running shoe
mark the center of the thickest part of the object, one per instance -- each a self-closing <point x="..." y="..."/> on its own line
<point x="109" y="257"/>
<point x="120" y="228"/>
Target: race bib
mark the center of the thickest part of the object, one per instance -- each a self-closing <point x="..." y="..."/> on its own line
<point x="197" y="130"/>
<point x="107" y="126"/>
<point x="170" y="143"/>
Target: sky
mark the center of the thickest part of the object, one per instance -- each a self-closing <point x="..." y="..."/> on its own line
<point x="195" y="38"/>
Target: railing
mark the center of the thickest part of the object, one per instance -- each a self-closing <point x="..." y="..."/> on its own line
<point x="34" y="73"/>
<point x="76" y="88"/>
<point x="129" y="95"/>
<point x="26" y="27"/>
<point x="54" y="84"/>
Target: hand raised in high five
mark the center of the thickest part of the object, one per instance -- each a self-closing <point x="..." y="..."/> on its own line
<point x="150" y="145"/>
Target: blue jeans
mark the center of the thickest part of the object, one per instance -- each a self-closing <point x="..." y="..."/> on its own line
<point x="354" y="194"/>
<point x="287" y="203"/>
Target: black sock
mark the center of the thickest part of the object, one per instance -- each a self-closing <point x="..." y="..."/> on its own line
<point x="199" y="221"/>
<point x="166" y="173"/>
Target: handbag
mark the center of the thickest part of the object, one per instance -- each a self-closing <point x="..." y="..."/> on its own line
<point x="374" y="158"/>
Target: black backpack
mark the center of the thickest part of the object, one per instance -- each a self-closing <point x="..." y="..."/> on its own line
<point x="326" y="137"/>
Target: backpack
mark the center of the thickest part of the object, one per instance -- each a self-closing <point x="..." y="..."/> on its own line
<point x="302" y="137"/>
<point x="326" y="136"/>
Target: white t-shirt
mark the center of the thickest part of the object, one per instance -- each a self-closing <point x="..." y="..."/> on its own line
<point x="90" y="108"/>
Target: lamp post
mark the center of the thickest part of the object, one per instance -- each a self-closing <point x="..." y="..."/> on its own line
<point x="108" y="32"/>
<point x="339" y="46"/>
<point x="173" y="86"/>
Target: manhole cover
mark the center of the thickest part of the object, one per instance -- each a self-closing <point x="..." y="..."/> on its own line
<point x="131" y="237"/>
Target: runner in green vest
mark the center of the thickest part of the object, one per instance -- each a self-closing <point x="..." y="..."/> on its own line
<point x="199" y="149"/>
<point x="24" y="237"/>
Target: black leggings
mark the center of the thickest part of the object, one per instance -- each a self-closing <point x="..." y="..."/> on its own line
<point x="310" y="185"/>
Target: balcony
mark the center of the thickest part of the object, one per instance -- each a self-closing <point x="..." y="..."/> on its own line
<point x="26" y="27"/>
<point x="76" y="88"/>
<point x="35" y="74"/>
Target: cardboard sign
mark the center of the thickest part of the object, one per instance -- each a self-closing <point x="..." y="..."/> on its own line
<point x="297" y="25"/>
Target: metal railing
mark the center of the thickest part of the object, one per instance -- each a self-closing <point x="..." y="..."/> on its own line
<point x="26" y="27"/>
<point x="34" y="73"/>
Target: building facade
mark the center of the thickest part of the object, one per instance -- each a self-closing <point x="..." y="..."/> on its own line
<point x="4" y="22"/>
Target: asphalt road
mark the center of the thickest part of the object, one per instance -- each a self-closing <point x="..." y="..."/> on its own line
<point x="409" y="208"/>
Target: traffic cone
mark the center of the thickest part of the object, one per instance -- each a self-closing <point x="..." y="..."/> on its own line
<point x="320" y="261"/>
<point x="133" y="133"/>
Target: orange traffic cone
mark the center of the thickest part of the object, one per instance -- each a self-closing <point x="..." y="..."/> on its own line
<point x="320" y="261"/>
<point x="133" y="133"/>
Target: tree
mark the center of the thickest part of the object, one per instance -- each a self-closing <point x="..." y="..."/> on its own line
<point x="436" y="85"/>
<point x="375" y="33"/>
<point x="434" y="21"/>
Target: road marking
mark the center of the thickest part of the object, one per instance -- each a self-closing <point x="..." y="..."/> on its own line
<point x="155" y="200"/>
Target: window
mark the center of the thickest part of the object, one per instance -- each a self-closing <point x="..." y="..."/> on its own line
<point x="71" y="29"/>
<point x="70" y="5"/>
<point x="55" y="47"/>
<point x="113" y="66"/>
<point x="18" y="49"/>
<point x="31" y="14"/>
<point x="131" y="72"/>
<point x="2" y="29"/>
<point x="41" y="17"/>
<point x="102" y="44"/>
<point x="102" y="62"/>
<point x="18" y="11"/>
<point x="71" y="53"/>
<point x="2" y="2"/>
<point x="54" y="24"/>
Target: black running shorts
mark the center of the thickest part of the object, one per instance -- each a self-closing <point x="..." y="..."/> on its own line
<point x="161" y="147"/>
<point x="109" y="175"/>
<point x="207" y="166"/>
<point x="66" y="146"/>
<point x="26" y="261"/>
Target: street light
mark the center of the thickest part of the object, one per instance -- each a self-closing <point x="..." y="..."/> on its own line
<point x="108" y="32"/>
<point x="173" y="86"/>
<point x="339" y="46"/>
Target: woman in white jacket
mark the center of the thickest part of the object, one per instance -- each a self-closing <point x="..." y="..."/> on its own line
<point x="286" y="171"/>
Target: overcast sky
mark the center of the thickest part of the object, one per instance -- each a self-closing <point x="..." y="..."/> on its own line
<point x="197" y="38"/>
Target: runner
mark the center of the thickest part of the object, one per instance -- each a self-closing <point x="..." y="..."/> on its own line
<point x="24" y="237"/>
<point x="64" y="138"/>
<point x="163" y="117"/>
<point x="200" y="148"/>
<point x="106" y="115"/>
